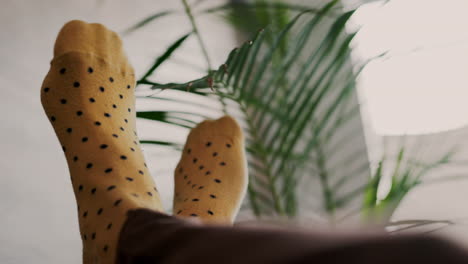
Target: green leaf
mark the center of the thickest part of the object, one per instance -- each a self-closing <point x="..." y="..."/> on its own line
<point x="170" y="118"/>
<point x="146" y="21"/>
<point x="260" y="5"/>
<point x="370" y="196"/>
<point x="411" y="224"/>
<point x="165" y="56"/>
<point x="182" y="102"/>
<point x="162" y="143"/>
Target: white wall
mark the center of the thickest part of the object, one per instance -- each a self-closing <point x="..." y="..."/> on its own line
<point x="420" y="89"/>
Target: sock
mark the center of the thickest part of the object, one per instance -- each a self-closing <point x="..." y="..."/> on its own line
<point x="211" y="177"/>
<point x="88" y="95"/>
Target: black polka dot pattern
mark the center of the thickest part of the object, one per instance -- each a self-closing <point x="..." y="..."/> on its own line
<point x="89" y="102"/>
<point x="202" y="169"/>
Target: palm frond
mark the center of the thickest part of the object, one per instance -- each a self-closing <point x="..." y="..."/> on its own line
<point x="293" y="111"/>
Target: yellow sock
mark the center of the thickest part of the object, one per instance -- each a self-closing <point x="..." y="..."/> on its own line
<point x="88" y="95"/>
<point x="211" y="177"/>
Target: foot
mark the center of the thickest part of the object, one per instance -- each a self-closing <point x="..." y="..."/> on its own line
<point x="88" y="95"/>
<point x="211" y="177"/>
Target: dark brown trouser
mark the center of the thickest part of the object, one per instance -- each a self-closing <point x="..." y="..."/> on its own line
<point x="151" y="237"/>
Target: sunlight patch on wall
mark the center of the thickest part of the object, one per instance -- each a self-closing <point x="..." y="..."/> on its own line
<point x="421" y="85"/>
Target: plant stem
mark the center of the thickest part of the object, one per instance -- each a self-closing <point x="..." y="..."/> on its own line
<point x="188" y="11"/>
<point x="223" y="103"/>
<point x="323" y="177"/>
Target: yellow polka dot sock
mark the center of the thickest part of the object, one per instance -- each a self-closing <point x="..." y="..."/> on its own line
<point x="88" y="95"/>
<point x="211" y="177"/>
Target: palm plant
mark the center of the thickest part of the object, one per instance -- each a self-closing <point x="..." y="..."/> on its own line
<point x="293" y="89"/>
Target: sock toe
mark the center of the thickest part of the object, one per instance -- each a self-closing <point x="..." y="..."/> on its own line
<point x="211" y="177"/>
<point x="88" y="95"/>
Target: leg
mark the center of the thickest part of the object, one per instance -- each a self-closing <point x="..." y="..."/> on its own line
<point x="88" y="96"/>
<point x="151" y="237"/>
<point x="211" y="177"/>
